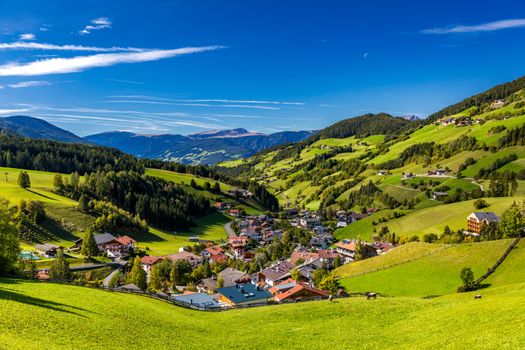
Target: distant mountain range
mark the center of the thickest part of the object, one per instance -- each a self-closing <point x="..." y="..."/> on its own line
<point x="36" y="128"/>
<point x="209" y="147"/>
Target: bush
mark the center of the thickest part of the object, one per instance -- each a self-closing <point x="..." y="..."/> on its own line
<point x="480" y="204"/>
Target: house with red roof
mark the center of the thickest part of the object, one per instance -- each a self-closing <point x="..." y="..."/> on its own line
<point x="191" y="258"/>
<point x="215" y="254"/>
<point x="290" y="291"/>
<point x="147" y="262"/>
<point x="303" y="256"/>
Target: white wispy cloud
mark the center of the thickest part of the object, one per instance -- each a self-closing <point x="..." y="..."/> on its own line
<point x="27" y="36"/>
<point x="209" y="100"/>
<point x="96" y="24"/>
<point x="126" y="81"/>
<point x="82" y="63"/>
<point x="21" y="45"/>
<point x="192" y="104"/>
<point x="485" y="27"/>
<point x="13" y="111"/>
<point x="45" y="27"/>
<point x="32" y="83"/>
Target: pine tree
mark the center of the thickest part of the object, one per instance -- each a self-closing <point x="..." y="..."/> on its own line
<point x="74" y="180"/>
<point x="138" y="275"/>
<point x="156" y="278"/>
<point x="89" y="245"/>
<point x="83" y="204"/>
<point x="23" y="180"/>
<point x="58" y="182"/>
<point x="9" y="242"/>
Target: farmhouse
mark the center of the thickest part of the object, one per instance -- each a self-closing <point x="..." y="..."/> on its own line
<point x="47" y="249"/>
<point x="193" y="259"/>
<point x="229" y="276"/>
<point x="147" y="262"/>
<point x="244" y="295"/>
<point x="477" y="220"/>
<point x="291" y="290"/>
<point x="346" y="249"/>
<point x="303" y="256"/>
<point x="215" y="254"/>
<point x="271" y="275"/>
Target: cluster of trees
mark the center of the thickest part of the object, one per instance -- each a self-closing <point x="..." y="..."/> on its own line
<point x="363" y="126"/>
<point x="161" y="203"/>
<point x="501" y="91"/>
<point x="46" y="155"/>
<point x="485" y="173"/>
<point x="503" y="184"/>
<point x="367" y="195"/>
<point x="9" y="240"/>
<point x="513" y="137"/>
<point x="427" y="151"/>
<point x="112" y="218"/>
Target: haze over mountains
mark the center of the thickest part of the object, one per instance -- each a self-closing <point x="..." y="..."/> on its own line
<point x="209" y="147"/>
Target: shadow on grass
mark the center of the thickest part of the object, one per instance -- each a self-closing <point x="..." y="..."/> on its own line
<point x="8" y="294"/>
<point x="41" y="195"/>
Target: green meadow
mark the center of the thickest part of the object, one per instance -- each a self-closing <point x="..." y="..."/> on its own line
<point x="433" y="273"/>
<point x="72" y="222"/>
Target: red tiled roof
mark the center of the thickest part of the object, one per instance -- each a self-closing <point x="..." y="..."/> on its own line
<point x="215" y="250"/>
<point x="348" y="246"/>
<point x="327" y="254"/>
<point x="183" y="256"/>
<point x="125" y="240"/>
<point x="149" y="260"/>
<point x="299" y="286"/>
<point x="305" y="256"/>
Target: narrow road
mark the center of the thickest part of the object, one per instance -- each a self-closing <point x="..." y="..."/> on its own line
<point x="229" y="230"/>
<point x="106" y="280"/>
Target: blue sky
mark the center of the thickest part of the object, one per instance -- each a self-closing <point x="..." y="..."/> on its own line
<point x="188" y="66"/>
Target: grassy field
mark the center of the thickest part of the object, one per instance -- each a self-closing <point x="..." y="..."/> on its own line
<point x="400" y="255"/>
<point x="63" y="210"/>
<point x="431" y="275"/>
<point x="37" y="315"/>
<point x="427" y="220"/>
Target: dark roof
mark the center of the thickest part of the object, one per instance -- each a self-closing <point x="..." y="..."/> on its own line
<point x="276" y="271"/>
<point x="233" y="276"/>
<point x="46" y="247"/>
<point x="198" y="299"/>
<point x="486" y="215"/>
<point x="242" y="293"/>
<point x="104" y="238"/>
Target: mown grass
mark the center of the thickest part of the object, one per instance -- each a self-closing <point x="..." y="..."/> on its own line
<point x="40" y="315"/>
<point x="434" y="219"/>
<point x="400" y="255"/>
<point x="435" y="274"/>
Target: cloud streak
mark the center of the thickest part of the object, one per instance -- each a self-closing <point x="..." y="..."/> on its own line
<point x="485" y="27"/>
<point x="26" y="84"/>
<point x="82" y="63"/>
<point x="208" y="100"/>
<point x="96" y="24"/>
<point x="27" y="36"/>
<point x="22" y="45"/>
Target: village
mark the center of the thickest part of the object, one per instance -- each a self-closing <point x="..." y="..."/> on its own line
<point x="263" y="260"/>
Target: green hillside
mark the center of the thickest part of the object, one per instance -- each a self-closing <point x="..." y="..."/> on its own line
<point x="65" y="317"/>
<point x="420" y="221"/>
<point x="431" y="274"/>
<point x="68" y="223"/>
